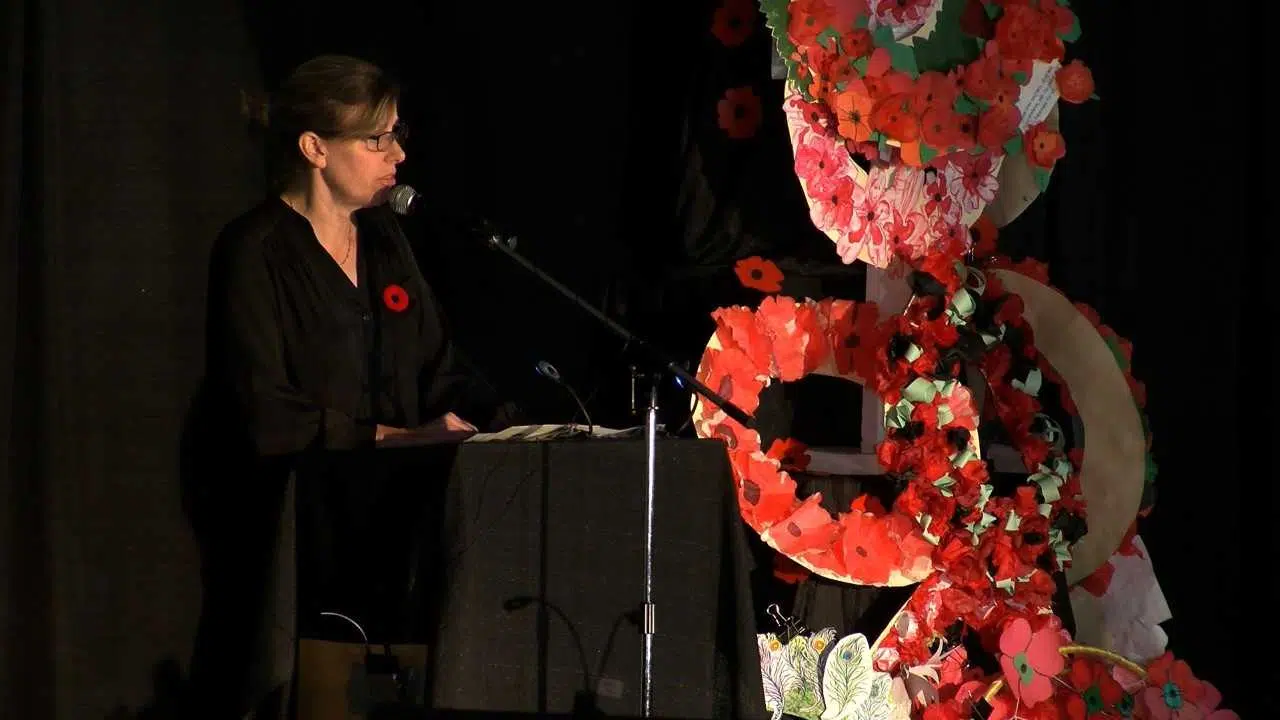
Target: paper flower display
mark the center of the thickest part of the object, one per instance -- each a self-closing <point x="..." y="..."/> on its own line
<point x="918" y="128"/>
<point x="936" y="93"/>
<point x="997" y="545"/>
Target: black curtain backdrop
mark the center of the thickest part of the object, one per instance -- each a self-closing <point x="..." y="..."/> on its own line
<point x="123" y="149"/>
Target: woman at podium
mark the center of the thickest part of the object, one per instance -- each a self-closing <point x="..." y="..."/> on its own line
<point x="322" y="337"/>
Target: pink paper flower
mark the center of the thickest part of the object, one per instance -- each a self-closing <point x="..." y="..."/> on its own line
<point x="1174" y="693"/>
<point x="1030" y="660"/>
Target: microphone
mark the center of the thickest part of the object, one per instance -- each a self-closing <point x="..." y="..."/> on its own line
<point x="549" y="371"/>
<point x="404" y="200"/>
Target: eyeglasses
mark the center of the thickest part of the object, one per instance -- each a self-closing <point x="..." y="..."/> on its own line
<point x="382" y="141"/>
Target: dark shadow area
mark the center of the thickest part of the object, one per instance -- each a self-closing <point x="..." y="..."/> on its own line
<point x="170" y="696"/>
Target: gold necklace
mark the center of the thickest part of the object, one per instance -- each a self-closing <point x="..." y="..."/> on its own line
<point x="351" y="243"/>
<point x="351" y="238"/>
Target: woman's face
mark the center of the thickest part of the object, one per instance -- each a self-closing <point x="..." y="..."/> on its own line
<point x="357" y="172"/>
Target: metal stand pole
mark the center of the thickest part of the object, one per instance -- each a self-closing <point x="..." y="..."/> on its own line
<point x="651" y="452"/>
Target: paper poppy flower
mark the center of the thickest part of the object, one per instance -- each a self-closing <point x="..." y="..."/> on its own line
<point x="733" y="22"/>
<point x="1075" y="82"/>
<point x="759" y="274"/>
<point x="739" y="112"/>
<point x="790" y="453"/>
<point x="1174" y="692"/>
<point x="1097" y="693"/>
<point x="395" y="298"/>
<point x="984" y="233"/>
<point x="1029" y="660"/>
<point x="1043" y="146"/>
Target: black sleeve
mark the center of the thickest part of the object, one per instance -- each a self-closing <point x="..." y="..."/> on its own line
<point x="245" y="321"/>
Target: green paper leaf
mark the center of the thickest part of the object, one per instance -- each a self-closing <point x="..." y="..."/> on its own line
<point x="947" y="46"/>
<point x="1061" y="466"/>
<point x="1032" y="384"/>
<point x="962" y="303"/>
<point x="777" y="19"/>
<point x="965" y="105"/>
<point x="927" y="153"/>
<point x="1014" y="145"/>
<point x="884" y="146"/>
<point x="903" y="59"/>
<point x="1064" y="3"/>
<point x="1020" y="77"/>
<point x="1073" y="34"/>
<point x="1049" y="485"/>
<point x="1042" y="178"/>
<point x="883" y="36"/>
<point x="863" y="22"/>
<point x="899" y="415"/>
<point x="920" y="390"/>
<point x="1094" y="96"/>
<point x="861" y="65"/>
<point x="993" y="10"/>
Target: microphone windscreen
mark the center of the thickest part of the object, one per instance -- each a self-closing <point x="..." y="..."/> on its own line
<point x="402" y="199"/>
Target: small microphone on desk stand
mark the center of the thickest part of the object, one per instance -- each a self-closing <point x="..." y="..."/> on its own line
<point x="380" y="679"/>
<point x="549" y="371"/>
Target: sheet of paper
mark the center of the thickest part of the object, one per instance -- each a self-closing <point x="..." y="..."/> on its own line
<point x="538" y="433"/>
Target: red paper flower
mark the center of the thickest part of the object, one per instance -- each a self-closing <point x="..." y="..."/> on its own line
<point x="1029" y="660"/>
<point x="1043" y="146"/>
<point x="807" y="19"/>
<point x="395" y="298"/>
<point x="1075" y="82"/>
<point x="985" y="233"/>
<point x="790" y="453"/>
<point x="759" y="274"/>
<point x="997" y="124"/>
<point x="739" y="112"/>
<point x="733" y="22"/>
<point x="1098" y="692"/>
<point x="1174" y="693"/>
<point x="1022" y="32"/>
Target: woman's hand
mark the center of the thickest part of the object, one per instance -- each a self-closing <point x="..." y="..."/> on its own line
<point x="453" y="423"/>
<point x="444" y="429"/>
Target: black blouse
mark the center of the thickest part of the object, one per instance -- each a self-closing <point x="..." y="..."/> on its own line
<point x="301" y="361"/>
<point x="304" y="359"/>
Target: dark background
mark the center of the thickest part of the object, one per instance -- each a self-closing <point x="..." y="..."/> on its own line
<point x="588" y="129"/>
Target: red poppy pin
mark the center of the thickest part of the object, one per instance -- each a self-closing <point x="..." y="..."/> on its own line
<point x="395" y="298"/>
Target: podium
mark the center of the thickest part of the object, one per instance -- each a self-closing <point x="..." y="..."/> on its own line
<point x="525" y="575"/>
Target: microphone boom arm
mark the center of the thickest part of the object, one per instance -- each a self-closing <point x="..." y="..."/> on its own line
<point x="655" y="357"/>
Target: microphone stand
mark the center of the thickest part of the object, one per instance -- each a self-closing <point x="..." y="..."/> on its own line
<point x="661" y="364"/>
